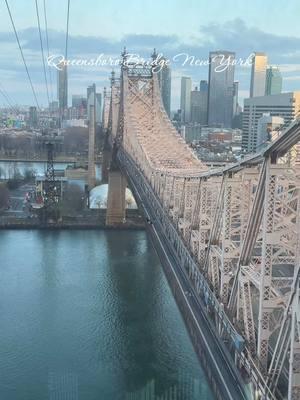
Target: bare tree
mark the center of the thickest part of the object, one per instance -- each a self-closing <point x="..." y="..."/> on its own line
<point x="4" y="196"/>
<point x="73" y="200"/>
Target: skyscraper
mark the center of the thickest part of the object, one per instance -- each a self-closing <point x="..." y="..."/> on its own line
<point x="91" y="98"/>
<point x="62" y="88"/>
<point x="94" y="99"/>
<point x="98" y="102"/>
<point x="53" y="106"/>
<point x="33" y="118"/>
<point x="199" y="105"/>
<point x="203" y="86"/>
<point x="185" y="99"/>
<point x="79" y="103"/>
<point x="258" y="75"/>
<point x="273" y="81"/>
<point x="164" y="80"/>
<point x="235" y="98"/>
<point x="220" y="88"/>
<point x="195" y="105"/>
<point x="78" y="100"/>
<point x="203" y="102"/>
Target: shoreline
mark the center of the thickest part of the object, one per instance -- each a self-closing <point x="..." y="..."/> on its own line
<point x="66" y="226"/>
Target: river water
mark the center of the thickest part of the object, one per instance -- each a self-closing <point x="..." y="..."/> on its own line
<point x="89" y="315"/>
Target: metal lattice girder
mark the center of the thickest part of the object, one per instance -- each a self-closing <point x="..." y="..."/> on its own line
<point x="106" y="109"/>
<point x="280" y="286"/>
<point x="288" y="341"/>
<point x="294" y="370"/>
<point x="238" y="199"/>
<point x="229" y="221"/>
<point x="250" y="235"/>
<point x="246" y="308"/>
<point x="239" y="308"/>
<point x="214" y="268"/>
<point x="279" y="239"/>
<point x="208" y="201"/>
<point x="230" y="233"/>
<point x="166" y="195"/>
<point x="175" y="198"/>
<point x="188" y="201"/>
<point x="115" y="108"/>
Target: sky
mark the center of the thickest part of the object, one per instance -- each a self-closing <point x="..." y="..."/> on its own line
<point x="192" y="27"/>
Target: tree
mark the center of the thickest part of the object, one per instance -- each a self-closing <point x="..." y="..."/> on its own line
<point x="76" y="140"/>
<point x="29" y="174"/>
<point x="4" y="196"/>
<point x="73" y="199"/>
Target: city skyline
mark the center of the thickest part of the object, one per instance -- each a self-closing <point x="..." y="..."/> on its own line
<point x="237" y="30"/>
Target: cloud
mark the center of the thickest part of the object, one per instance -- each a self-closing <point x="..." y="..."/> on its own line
<point x="233" y="35"/>
<point x="286" y="68"/>
<point x="292" y="78"/>
<point x="236" y="35"/>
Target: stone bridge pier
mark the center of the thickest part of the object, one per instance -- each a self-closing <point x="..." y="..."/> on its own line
<point x="116" y="204"/>
<point x="106" y="159"/>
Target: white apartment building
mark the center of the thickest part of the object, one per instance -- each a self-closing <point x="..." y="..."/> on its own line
<point x="285" y="105"/>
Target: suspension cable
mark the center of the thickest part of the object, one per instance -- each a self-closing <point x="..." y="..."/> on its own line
<point x="5" y="97"/>
<point x="22" y="55"/>
<point x="48" y="53"/>
<point x="42" y="49"/>
<point x="8" y="98"/>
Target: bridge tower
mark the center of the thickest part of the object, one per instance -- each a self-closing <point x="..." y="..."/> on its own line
<point x="106" y="151"/>
<point x="91" y="155"/>
<point x="116" y="205"/>
<point x="106" y="160"/>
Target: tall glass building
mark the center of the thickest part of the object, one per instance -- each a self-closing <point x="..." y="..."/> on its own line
<point x="203" y="102"/>
<point x="91" y="98"/>
<point x="273" y="81"/>
<point x="163" y="72"/>
<point x="164" y="79"/>
<point x="203" y="86"/>
<point x="235" y="98"/>
<point x="94" y="99"/>
<point x="195" y="105"/>
<point x="98" y="101"/>
<point x="258" y="75"/>
<point x="220" y="88"/>
<point x="62" y="87"/>
<point x="185" y="99"/>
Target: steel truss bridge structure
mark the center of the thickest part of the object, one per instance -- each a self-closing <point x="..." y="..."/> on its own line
<point x="229" y="238"/>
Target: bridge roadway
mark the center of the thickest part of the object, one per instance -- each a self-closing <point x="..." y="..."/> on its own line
<point x="224" y="371"/>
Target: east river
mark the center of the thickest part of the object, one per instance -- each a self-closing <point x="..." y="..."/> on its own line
<point x="89" y="315"/>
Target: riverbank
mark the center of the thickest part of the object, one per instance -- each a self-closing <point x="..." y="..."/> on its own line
<point x="58" y="159"/>
<point x="92" y="221"/>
